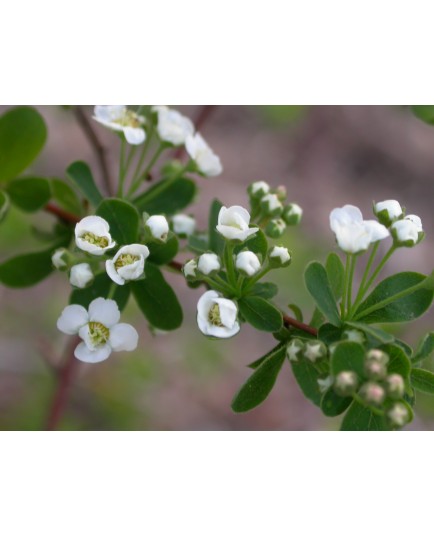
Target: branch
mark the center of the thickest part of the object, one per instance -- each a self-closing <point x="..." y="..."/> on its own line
<point x="64" y="216"/>
<point x="99" y="149"/>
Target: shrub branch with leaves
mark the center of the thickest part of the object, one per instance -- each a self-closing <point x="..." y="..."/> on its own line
<point x="116" y="248"/>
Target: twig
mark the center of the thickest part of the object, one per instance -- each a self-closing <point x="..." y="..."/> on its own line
<point x="65" y="378"/>
<point x="61" y="214"/>
<point x="202" y="117"/>
<point x="99" y="149"/>
<point x="288" y="321"/>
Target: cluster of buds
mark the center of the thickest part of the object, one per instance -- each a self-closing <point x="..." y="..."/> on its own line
<point x="271" y="209"/>
<point x="312" y="350"/>
<point x="407" y="231"/>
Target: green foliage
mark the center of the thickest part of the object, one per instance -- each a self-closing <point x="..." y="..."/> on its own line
<point x="336" y="275"/>
<point x="123" y="219"/>
<point x="261" y="382"/>
<point x="422" y="380"/>
<point x="65" y="196"/>
<point x="164" y="252"/>
<point x="399" y="362"/>
<point x="348" y="356"/>
<point x="216" y="241"/>
<point x="264" y="290"/>
<point x="4" y="205"/>
<point x="100" y="288"/>
<point x="425" y="348"/>
<point x="425" y="112"/>
<point x="318" y="285"/>
<point x="168" y="196"/>
<point x="29" y="193"/>
<point x="375" y="333"/>
<point x="307" y="377"/>
<point x="333" y="405"/>
<point x="359" y="418"/>
<point x="157" y="300"/>
<point x="260" y="313"/>
<point x="22" y="137"/>
<point x="81" y="175"/>
<point x="257" y="243"/>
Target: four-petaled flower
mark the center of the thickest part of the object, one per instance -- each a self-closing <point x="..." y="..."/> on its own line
<point x="217" y="316"/>
<point x="120" y="119"/>
<point x="99" y="328"/>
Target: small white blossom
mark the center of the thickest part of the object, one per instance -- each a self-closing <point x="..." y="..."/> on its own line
<point x="59" y="259"/>
<point x="406" y="231"/>
<point x="292" y="214"/>
<point x="233" y="223"/>
<point x="92" y="235"/>
<point x="190" y="269"/>
<point x="314" y="351"/>
<point x="395" y="385"/>
<point x="388" y="211"/>
<point x="128" y="264"/>
<point x="416" y="220"/>
<point x="275" y="228"/>
<point x="280" y="254"/>
<point x="206" y="160"/>
<point x="120" y="119"/>
<point x="183" y="225"/>
<point x="293" y="349"/>
<point x="373" y="393"/>
<point x="81" y="275"/>
<point x="208" y="263"/>
<point x="158" y="227"/>
<point x="172" y="126"/>
<point x="258" y="189"/>
<point x="217" y="316"/>
<point x="399" y="414"/>
<point x="271" y="205"/>
<point x="99" y="329"/>
<point x="346" y="383"/>
<point x="353" y="234"/>
<point x="248" y="263"/>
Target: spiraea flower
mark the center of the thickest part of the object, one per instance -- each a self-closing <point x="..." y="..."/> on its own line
<point x="190" y="269"/>
<point x="399" y="415"/>
<point x="217" y="316"/>
<point x="407" y="232"/>
<point x="120" y="119"/>
<point x="208" y="263"/>
<point x="92" y="234"/>
<point x="233" y="223"/>
<point x="158" y="227"/>
<point x="388" y="211"/>
<point x="346" y="383"/>
<point x="128" y="264"/>
<point x="208" y="163"/>
<point x="99" y="329"/>
<point x="247" y="263"/>
<point x="183" y="225"/>
<point x="258" y="189"/>
<point x="60" y="259"/>
<point x="292" y="214"/>
<point x="172" y="126"/>
<point x="353" y="233"/>
<point x="81" y="275"/>
<point x="275" y="228"/>
<point x="271" y="205"/>
<point x="279" y="257"/>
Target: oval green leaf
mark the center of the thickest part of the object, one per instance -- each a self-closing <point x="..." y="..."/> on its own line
<point x="336" y="275"/>
<point x="399" y="362"/>
<point x="81" y="175"/>
<point x="123" y="219"/>
<point x="318" y="285"/>
<point x="65" y="196"/>
<point x="260" y="313"/>
<point x="348" y="356"/>
<point x="333" y="405"/>
<point x="167" y="196"/>
<point x="361" y="419"/>
<point x="29" y="193"/>
<point x="423" y="381"/>
<point x="4" y="205"/>
<point x="307" y="378"/>
<point x="425" y="348"/>
<point x="162" y="253"/>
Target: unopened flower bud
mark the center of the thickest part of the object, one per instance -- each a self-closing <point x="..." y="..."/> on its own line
<point x="281" y="193"/>
<point x="60" y="259"/>
<point x="407" y="232"/>
<point x="346" y="383"/>
<point x="314" y="350"/>
<point x="325" y="383"/>
<point x="275" y="228"/>
<point x="399" y="415"/>
<point x="190" y="269"/>
<point x="395" y="386"/>
<point x="271" y="206"/>
<point x="378" y="355"/>
<point x="208" y="263"/>
<point x="279" y="257"/>
<point x="258" y="189"/>
<point x="183" y="225"/>
<point x="375" y="370"/>
<point x="81" y="275"/>
<point x="157" y="227"/>
<point x="354" y="335"/>
<point x="293" y="349"/>
<point x="292" y="214"/>
<point x="373" y="393"/>
<point x="388" y="211"/>
<point x="247" y="263"/>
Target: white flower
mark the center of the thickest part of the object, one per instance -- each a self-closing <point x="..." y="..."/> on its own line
<point x="217" y="316"/>
<point x="207" y="161"/>
<point x="248" y="263"/>
<point x="120" y="119"/>
<point x="128" y="264"/>
<point x="416" y="220"/>
<point x="233" y="223"/>
<point x="99" y="329"/>
<point x="92" y="235"/>
<point x="280" y="254"/>
<point x="190" y="268"/>
<point x="59" y="258"/>
<point x="183" y="225"/>
<point x="81" y="275"/>
<point x="208" y="262"/>
<point x="353" y="234"/>
<point x="388" y="211"/>
<point x="158" y="227"/>
<point x="407" y="232"/>
<point x="271" y="205"/>
<point x="173" y="127"/>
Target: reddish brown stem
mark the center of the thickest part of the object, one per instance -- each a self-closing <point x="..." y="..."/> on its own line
<point x="202" y="117"/>
<point x="61" y="214"/>
<point x="64" y="382"/>
<point x="288" y="321"/>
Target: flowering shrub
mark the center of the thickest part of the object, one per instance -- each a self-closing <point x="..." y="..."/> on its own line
<point x="113" y="248"/>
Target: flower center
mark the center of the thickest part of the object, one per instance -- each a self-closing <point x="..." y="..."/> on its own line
<point x="129" y="119"/>
<point x="214" y="316"/>
<point x="100" y="241"/>
<point x="99" y="334"/>
<point x="126" y="259"/>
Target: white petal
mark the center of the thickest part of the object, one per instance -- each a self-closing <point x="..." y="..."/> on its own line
<point x="83" y="353"/>
<point x="228" y="215"/>
<point x="112" y="272"/>
<point x="228" y="312"/>
<point x="72" y="319"/>
<point x="81" y="275"/>
<point x="109" y="113"/>
<point x="416" y="220"/>
<point x="377" y="230"/>
<point x="104" y="311"/>
<point x="93" y="224"/>
<point x="132" y="271"/>
<point x="123" y="337"/>
<point x="223" y="333"/>
<point x="134" y="136"/>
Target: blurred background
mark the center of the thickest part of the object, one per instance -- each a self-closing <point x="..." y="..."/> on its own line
<point x="326" y="156"/>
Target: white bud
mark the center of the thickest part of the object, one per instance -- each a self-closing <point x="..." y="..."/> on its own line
<point x="190" y="269"/>
<point x="183" y="225"/>
<point x="271" y="205"/>
<point x="233" y="223"/>
<point x="208" y="263"/>
<point x="158" y="227"/>
<point x="399" y="414"/>
<point x="279" y="256"/>
<point x="405" y="233"/>
<point x="395" y="385"/>
<point x="373" y="393"/>
<point x="354" y="335"/>
<point x="248" y="263"/>
<point x="59" y="258"/>
<point x="173" y="127"/>
<point x="258" y="189"/>
<point x="293" y="349"/>
<point x="388" y="211"/>
<point x="378" y="355"/>
<point x="346" y="383"/>
<point x="81" y="275"/>
<point x="324" y="384"/>
<point x="208" y="163"/>
<point x="292" y="214"/>
<point x="314" y="350"/>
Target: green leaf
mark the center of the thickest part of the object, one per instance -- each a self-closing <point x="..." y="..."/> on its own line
<point x="319" y="288"/>
<point x="375" y="333"/>
<point x="329" y="334"/>
<point x="317" y="318"/>
<point x="167" y="196"/>
<point x="198" y="244"/>
<point x="257" y="362"/>
<point x="423" y="381"/>
<point x="261" y="382"/>
<point x="399" y="362"/>
<point x="260" y="313"/>
<point x="348" y="356"/>
<point x="257" y="243"/>
<point x="157" y="300"/>
<point x="22" y="137"/>
<point x="332" y="404"/>
<point x="361" y="419"/>
<point x="425" y="112"/>
<point x="162" y="253"/>
<point x="65" y="196"/>
<point x="425" y="348"/>
<point x="336" y="275"/>
<point x="307" y="378"/>
<point x="402" y="309"/>
<point x="123" y="219"/>
<point x="81" y="175"/>
<point x="216" y="241"/>
<point x="4" y="205"/>
<point x="29" y="193"/>
<point x="100" y="288"/>
<point x="296" y="310"/>
<point x="264" y="290"/>
<point x="408" y="350"/>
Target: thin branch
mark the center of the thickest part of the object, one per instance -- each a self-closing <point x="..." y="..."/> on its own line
<point x="202" y="117"/>
<point x="288" y="321"/>
<point x="63" y="215"/>
<point x="98" y="147"/>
